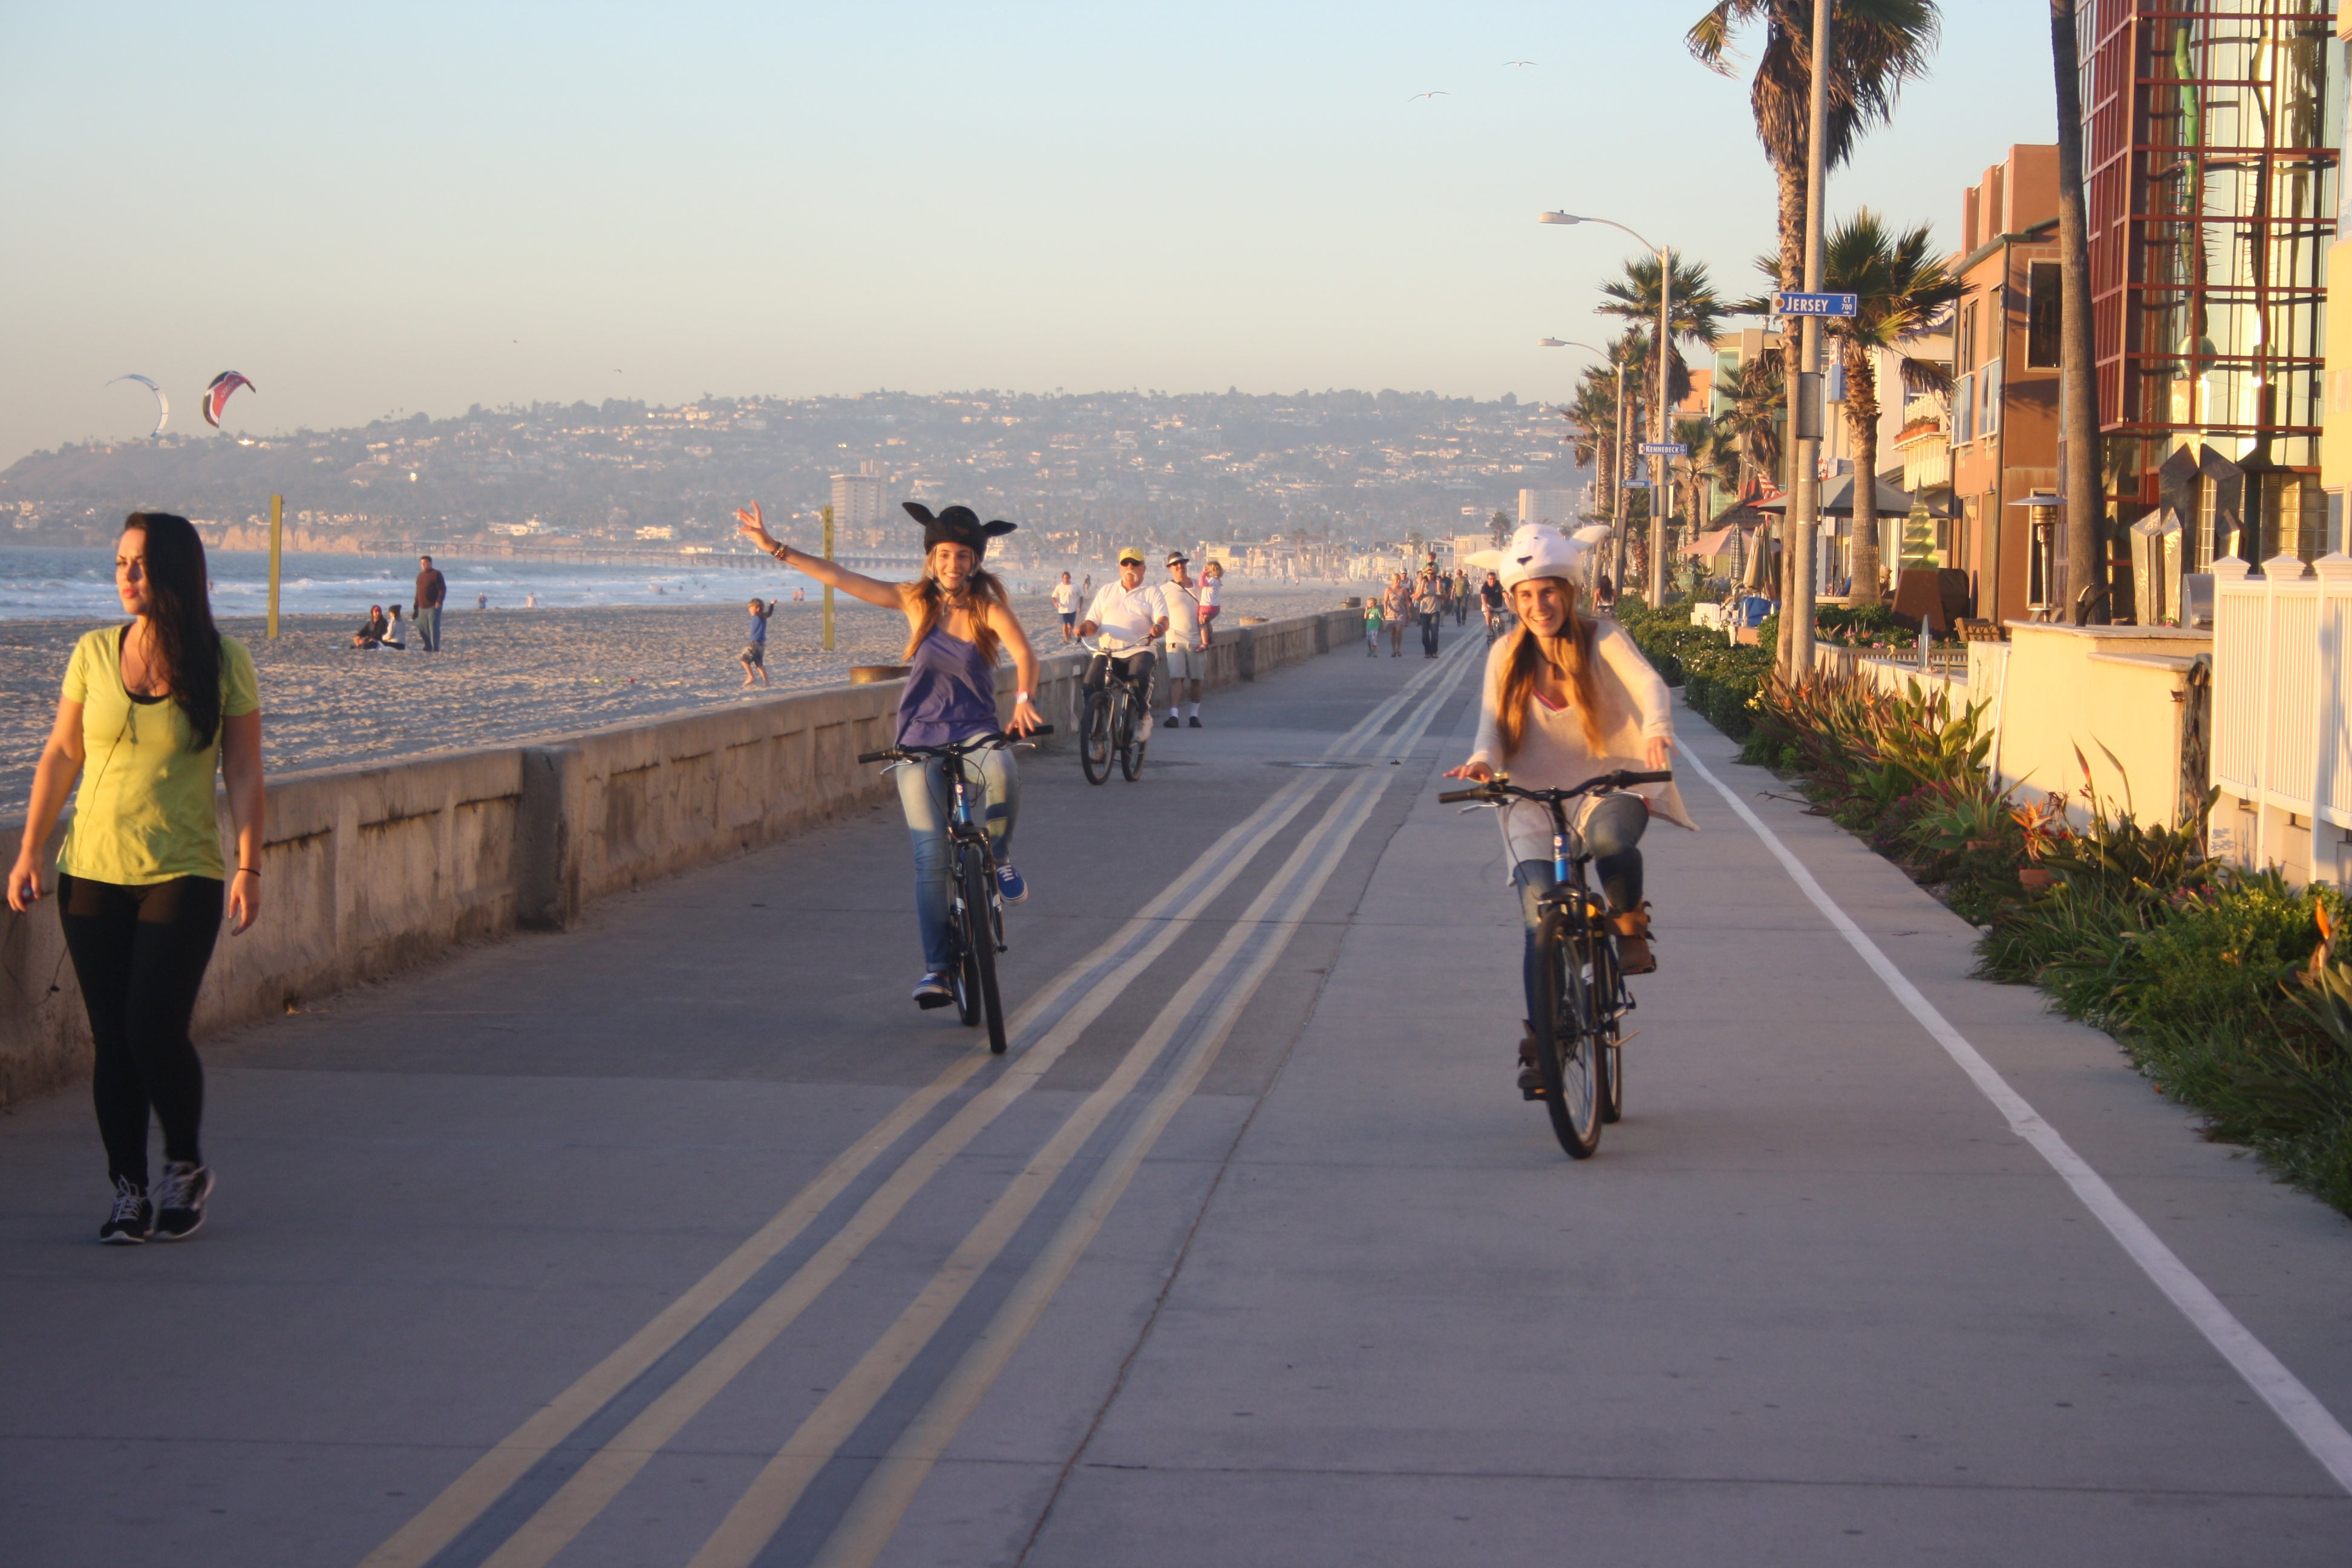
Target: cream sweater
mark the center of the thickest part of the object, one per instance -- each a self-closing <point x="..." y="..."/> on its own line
<point x="1553" y="752"/>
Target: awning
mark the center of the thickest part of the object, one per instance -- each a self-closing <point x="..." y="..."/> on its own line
<point x="1837" y="500"/>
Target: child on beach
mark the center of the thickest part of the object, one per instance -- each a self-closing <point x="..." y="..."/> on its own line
<point x="370" y="634"/>
<point x="754" y="657"/>
<point x="150" y="715"/>
<point x="392" y="636"/>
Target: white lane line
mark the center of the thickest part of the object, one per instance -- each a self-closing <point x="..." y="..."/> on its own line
<point x="1232" y="973"/>
<point x="2304" y="1416"/>
<point x="479" y="1489"/>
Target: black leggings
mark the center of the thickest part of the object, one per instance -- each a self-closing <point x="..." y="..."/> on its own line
<point x="140" y="954"/>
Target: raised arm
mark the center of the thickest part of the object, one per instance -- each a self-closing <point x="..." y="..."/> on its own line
<point x="857" y="585"/>
<point x="1008" y="627"/>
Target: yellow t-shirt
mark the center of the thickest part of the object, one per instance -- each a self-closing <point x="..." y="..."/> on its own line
<point x="144" y="811"/>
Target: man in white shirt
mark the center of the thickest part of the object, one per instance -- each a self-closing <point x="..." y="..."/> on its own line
<point x="1127" y="616"/>
<point x="1187" y="645"/>
<point x="1065" y="604"/>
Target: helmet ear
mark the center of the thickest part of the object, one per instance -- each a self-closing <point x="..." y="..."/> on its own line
<point x="918" y="511"/>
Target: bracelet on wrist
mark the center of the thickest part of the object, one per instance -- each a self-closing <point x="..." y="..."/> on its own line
<point x="249" y="871"/>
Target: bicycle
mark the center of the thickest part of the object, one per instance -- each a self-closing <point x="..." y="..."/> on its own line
<point x="1494" y="624"/>
<point x="1583" y="998"/>
<point x="975" y="912"/>
<point x="1114" y="713"/>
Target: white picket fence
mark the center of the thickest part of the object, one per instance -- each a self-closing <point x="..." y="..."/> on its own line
<point x="2282" y="687"/>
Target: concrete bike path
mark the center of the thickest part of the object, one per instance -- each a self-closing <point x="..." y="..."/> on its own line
<point x="1812" y="1303"/>
<point x="451" y="1202"/>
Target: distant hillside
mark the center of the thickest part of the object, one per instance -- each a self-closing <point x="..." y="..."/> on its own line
<point x="1347" y="464"/>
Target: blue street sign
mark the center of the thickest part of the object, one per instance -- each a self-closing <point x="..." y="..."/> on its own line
<point x="1665" y="449"/>
<point x="1637" y="484"/>
<point x="1795" y="304"/>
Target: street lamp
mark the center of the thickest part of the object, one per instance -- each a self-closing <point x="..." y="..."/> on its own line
<point x="1666" y="339"/>
<point x="1617" y="461"/>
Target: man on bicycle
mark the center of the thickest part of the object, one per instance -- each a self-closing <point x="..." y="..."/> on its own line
<point x="1490" y="599"/>
<point x="1124" y="619"/>
<point x="1186" y="648"/>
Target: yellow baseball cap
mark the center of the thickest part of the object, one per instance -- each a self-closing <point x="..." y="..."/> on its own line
<point x="1130" y="554"/>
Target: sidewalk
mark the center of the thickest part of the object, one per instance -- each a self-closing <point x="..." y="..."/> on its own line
<point x="683" y="1237"/>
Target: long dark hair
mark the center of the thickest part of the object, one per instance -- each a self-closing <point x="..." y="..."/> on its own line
<point x="181" y="637"/>
<point x="981" y="590"/>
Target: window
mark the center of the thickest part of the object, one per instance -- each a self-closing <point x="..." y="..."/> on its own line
<point x="2044" y="314"/>
<point x="1989" y="389"/>
<point x="1964" y="411"/>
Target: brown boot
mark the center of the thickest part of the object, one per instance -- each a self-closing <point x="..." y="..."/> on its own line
<point x="1633" y="955"/>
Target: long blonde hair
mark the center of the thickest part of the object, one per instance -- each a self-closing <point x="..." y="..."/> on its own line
<point x="981" y="590"/>
<point x="1515" y="678"/>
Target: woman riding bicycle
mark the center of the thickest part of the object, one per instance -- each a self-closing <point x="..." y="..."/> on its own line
<point x="957" y="620"/>
<point x="1569" y="697"/>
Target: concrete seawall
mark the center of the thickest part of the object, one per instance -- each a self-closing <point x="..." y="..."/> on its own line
<point x="370" y="869"/>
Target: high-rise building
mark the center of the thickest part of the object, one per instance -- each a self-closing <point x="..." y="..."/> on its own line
<point x="1555" y="506"/>
<point x="2209" y="147"/>
<point x="858" y="505"/>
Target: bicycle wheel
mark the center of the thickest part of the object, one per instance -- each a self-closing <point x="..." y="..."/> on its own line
<point x="1608" y="991"/>
<point x="981" y="928"/>
<point x="1094" y="737"/>
<point x="966" y="934"/>
<point x="1568" y="1055"/>
<point x="1131" y="743"/>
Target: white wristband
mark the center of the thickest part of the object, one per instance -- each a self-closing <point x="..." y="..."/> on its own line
<point x="1020" y="696"/>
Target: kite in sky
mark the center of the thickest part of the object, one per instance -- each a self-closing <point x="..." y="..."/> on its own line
<point x="216" y="395"/>
<point x="163" y="403"/>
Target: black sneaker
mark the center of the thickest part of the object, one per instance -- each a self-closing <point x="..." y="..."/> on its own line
<point x="1531" y="1075"/>
<point x="133" y="1219"/>
<point x="933" y="991"/>
<point x="180" y="1199"/>
<point x="1194" y="722"/>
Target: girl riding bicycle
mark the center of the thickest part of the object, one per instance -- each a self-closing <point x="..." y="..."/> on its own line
<point x="1569" y="697"/>
<point x="957" y="620"/>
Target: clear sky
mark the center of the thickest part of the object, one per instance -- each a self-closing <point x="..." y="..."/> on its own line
<point x="378" y="209"/>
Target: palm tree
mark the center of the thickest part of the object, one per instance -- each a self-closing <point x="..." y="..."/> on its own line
<point x="1699" y="312"/>
<point x="1877" y="45"/>
<point x="1903" y="293"/>
<point x="1757" y="396"/>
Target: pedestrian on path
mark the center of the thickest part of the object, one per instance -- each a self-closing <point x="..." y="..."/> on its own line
<point x="959" y="619"/>
<point x="754" y="657"/>
<point x="1396" y="609"/>
<point x="1425" y="609"/>
<point x="1568" y="698"/>
<point x="1371" y="626"/>
<point x="1065" y="604"/>
<point x="432" y="589"/>
<point x="1184" y="646"/>
<point x="163" y="705"/>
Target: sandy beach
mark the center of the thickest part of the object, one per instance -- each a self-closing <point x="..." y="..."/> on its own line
<point x="508" y="675"/>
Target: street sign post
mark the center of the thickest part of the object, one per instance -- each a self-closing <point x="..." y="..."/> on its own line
<point x="1789" y="302"/>
<point x="1665" y="449"/>
<point x="1637" y="484"/>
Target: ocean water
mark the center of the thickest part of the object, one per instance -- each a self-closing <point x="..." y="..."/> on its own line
<point x="78" y="584"/>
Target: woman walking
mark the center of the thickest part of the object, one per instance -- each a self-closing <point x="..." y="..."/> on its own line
<point x="149" y="714"/>
<point x="1396" y="609"/>
<point x="959" y="619"/>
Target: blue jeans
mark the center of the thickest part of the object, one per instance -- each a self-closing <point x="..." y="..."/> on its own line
<point x="1613" y="827"/>
<point x="428" y="628"/>
<point x="925" y="795"/>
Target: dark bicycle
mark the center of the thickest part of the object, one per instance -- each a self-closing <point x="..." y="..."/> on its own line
<point x="975" y="912"/>
<point x="1584" y="1000"/>
<point x="1111" y="723"/>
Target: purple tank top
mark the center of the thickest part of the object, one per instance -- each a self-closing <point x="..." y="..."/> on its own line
<point x="951" y="692"/>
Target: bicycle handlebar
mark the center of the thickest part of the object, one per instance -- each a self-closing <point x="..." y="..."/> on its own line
<point x="953" y="749"/>
<point x="1500" y="790"/>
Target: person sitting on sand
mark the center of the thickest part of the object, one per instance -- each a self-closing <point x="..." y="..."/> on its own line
<point x="393" y="636"/>
<point x="754" y="657"/>
<point x="372" y="634"/>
